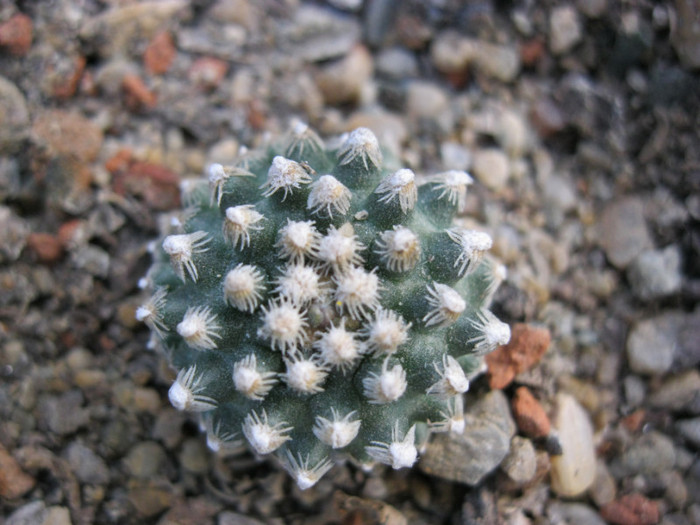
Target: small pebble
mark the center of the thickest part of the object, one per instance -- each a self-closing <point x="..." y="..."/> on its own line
<point x="564" y="29"/>
<point x="86" y="464"/>
<point x="623" y="232"/>
<point x="651" y="454"/>
<point x="573" y="472"/>
<point x="652" y="343"/>
<point x="521" y="463"/>
<point x="492" y="168"/>
<point x="656" y="273"/>
<point x="145" y="460"/>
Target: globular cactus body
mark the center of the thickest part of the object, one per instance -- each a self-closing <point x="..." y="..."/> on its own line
<point x="318" y="306"/>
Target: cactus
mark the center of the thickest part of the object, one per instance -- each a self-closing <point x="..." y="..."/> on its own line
<point x="320" y="307"/>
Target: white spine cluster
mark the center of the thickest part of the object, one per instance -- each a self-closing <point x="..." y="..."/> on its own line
<point x="298" y="240"/>
<point x="328" y="194"/>
<point x="186" y="392"/>
<point x="339" y="248"/>
<point x="399" y="249"/>
<point x="218" y="441"/>
<point x="262" y="436"/>
<point x="250" y="381"/>
<point x="401" y="185"/>
<point x="286" y="175"/>
<point x="387" y="386"/>
<point x="218" y="175"/>
<point x="452" y="380"/>
<point x="453" y="185"/>
<point x="361" y="143"/>
<point x="304" y="374"/>
<point x="199" y="328"/>
<point x="453" y="417"/>
<point x="357" y="292"/>
<point x="151" y="312"/>
<point x="239" y="222"/>
<point x="474" y="245"/>
<point x="302" y="137"/>
<point x="284" y="325"/>
<point x="338" y="347"/>
<point x="243" y="287"/>
<point x="299" y="284"/>
<point x="492" y="333"/>
<point x="338" y="432"/>
<point x="447" y="305"/>
<point x="399" y="453"/>
<point x="305" y="475"/>
<point x="386" y="332"/>
<point x="181" y="249"/>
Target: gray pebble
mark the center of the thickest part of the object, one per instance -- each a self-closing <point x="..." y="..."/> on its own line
<point x="578" y="513"/>
<point x="14" y="117"/>
<point x="652" y="343"/>
<point x="233" y="518"/>
<point x="634" y="390"/>
<point x="482" y="446"/>
<point x="690" y="430"/>
<point x="656" y="273"/>
<point x="92" y="259"/>
<point x="33" y="513"/>
<point x="677" y="392"/>
<point x="651" y="454"/>
<point x="194" y="456"/>
<point x="564" y="29"/>
<point x="63" y="414"/>
<point x="87" y="466"/>
<point x="13" y="234"/>
<point x="145" y="460"/>
<point x="521" y="463"/>
<point x="623" y="232"/>
<point x="397" y="62"/>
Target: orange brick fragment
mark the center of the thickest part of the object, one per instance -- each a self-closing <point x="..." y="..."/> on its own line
<point x="16" y="34"/>
<point x="631" y="509"/>
<point x="160" y="53"/>
<point x="45" y="246"/>
<point x="526" y="347"/>
<point x="531" y="417"/>
<point x="138" y="93"/>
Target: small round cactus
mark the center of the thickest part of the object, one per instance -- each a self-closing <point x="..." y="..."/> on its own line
<point x="320" y="307"/>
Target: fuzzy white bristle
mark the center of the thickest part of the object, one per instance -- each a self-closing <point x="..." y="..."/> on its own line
<point x="338" y="432"/>
<point x="357" y="292"/>
<point x="262" y="436"/>
<point x="300" y="284"/>
<point x="219" y="441"/>
<point x="302" y="137"/>
<point x="474" y="245"/>
<point x="243" y="287"/>
<point x="453" y="185"/>
<point x="181" y="249"/>
<point x="218" y="175"/>
<point x="339" y="248"/>
<point x="239" y="222"/>
<point x="327" y="195"/>
<point x="399" y="453"/>
<point x="386" y="332"/>
<point x="284" y="325"/>
<point x="305" y="475"/>
<point x="453" y="417"/>
<point x="338" y="347"/>
<point x="199" y="328"/>
<point x="151" y="312"/>
<point x="186" y="392"/>
<point x="286" y="175"/>
<point x="361" y="143"/>
<point x="305" y="375"/>
<point x="447" y="305"/>
<point x="298" y="240"/>
<point x="492" y="333"/>
<point x="452" y="380"/>
<point x="387" y="386"/>
<point x="401" y="185"/>
<point x="250" y="381"/>
<point x="399" y="249"/>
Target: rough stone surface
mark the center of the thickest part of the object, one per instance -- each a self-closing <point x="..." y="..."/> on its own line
<point x="650" y="454"/>
<point x="14" y="117"/>
<point x="521" y="463"/>
<point x="526" y="347"/>
<point x="656" y="273"/>
<point x="529" y="414"/>
<point x="652" y="343"/>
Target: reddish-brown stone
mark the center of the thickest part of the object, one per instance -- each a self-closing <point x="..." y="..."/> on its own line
<point x="531" y="51"/>
<point x="156" y="184"/>
<point x="137" y="92"/>
<point x="531" y="417"/>
<point x="16" y="34"/>
<point x="14" y="482"/>
<point x="45" y="246"/>
<point x="633" y="422"/>
<point x="208" y="72"/>
<point x="631" y="509"/>
<point x="160" y="53"/>
<point x="526" y="347"/>
<point x="65" y="85"/>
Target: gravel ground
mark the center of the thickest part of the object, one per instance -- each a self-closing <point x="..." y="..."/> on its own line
<point x="580" y="123"/>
